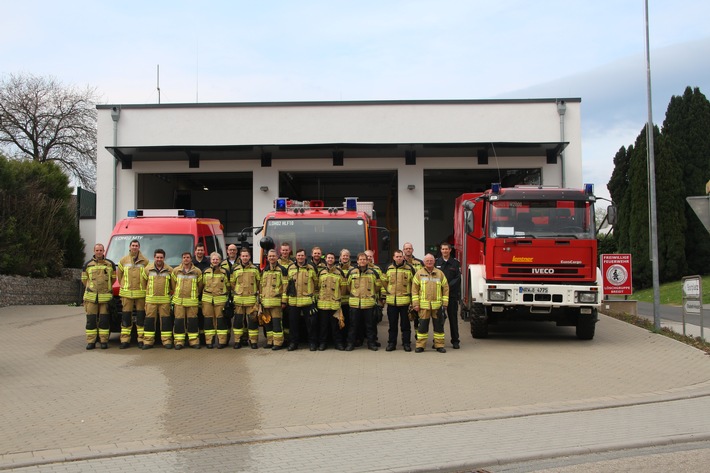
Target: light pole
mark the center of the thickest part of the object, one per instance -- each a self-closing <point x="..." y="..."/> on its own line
<point x="652" y="188"/>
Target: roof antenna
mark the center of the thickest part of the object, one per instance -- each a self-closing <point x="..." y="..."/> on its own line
<point x="158" y="84"/>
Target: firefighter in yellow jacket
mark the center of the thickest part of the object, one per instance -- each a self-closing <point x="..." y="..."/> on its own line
<point x="132" y="293"/>
<point x="215" y="293"/>
<point x="301" y="290"/>
<point x="157" y="277"/>
<point x="98" y="276"/>
<point x="245" y="288"/>
<point x="186" y="285"/>
<point x="273" y="298"/>
<point x="332" y="286"/>
<point x="364" y="286"/>
<point x="430" y="296"/>
<point x="398" y="290"/>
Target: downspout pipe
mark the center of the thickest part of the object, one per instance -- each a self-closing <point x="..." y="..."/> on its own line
<point x="115" y="115"/>
<point x="561" y="109"/>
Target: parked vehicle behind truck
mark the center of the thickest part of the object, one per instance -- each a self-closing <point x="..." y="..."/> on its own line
<point x="305" y="224"/>
<point x="529" y="253"/>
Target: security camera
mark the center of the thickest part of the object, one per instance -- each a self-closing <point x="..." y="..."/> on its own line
<point x="115" y="113"/>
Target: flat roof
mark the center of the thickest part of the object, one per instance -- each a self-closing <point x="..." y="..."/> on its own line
<point x="341" y="103"/>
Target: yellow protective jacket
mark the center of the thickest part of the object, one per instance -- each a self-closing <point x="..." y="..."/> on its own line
<point x="305" y="281"/>
<point x="215" y="285"/>
<point x="415" y="263"/>
<point x="430" y="290"/>
<point x="98" y="277"/>
<point x="364" y="286"/>
<point x="229" y="268"/>
<point x="272" y="290"/>
<point x="345" y="268"/>
<point x="186" y="286"/>
<point x="318" y="266"/>
<point x="332" y="285"/>
<point x="245" y="282"/>
<point x="285" y="262"/>
<point x="398" y="284"/>
<point x="157" y="283"/>
<point x="129" y="277"/>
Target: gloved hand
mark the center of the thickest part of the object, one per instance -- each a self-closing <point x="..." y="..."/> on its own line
<point x="444" y="313"/>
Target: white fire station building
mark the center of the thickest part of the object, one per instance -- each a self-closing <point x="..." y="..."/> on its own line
<point x="411" y="158"/>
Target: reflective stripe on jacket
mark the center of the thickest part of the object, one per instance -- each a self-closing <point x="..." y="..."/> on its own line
<point x="306" y="284"/>
<point x="186" y="286"/>
<point x="398" y="284"/>
<point x="272" y="290"/>
<point x="332" y="284"/>
<point x="128" y="274"/>
<point x="98" y="277"/>
<point x="216" y="285"/>
<point x="245" y="284"/>
<point x="364" y="287"/>
<point x="430" y="290"/>
<point x="157" y="283"/>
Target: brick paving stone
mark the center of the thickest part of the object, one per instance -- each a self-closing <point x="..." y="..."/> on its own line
<point x="58" y="398"/>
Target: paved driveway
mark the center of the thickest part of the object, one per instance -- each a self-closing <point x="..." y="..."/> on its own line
<point x="59" y="401"/>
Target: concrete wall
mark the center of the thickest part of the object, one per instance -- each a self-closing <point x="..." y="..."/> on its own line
<point x="18" y="290"/>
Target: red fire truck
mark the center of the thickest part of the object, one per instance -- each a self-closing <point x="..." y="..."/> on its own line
<point x="529" y="253"/>
<point x="173" y="230"/>
<point x="305" y="224"/>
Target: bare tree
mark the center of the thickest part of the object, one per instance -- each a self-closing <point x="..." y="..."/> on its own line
<point x="42" y="119"/>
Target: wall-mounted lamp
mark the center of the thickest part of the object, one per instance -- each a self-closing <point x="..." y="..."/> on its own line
<point x="264" y="188"/>
<point x="410" y="187"/>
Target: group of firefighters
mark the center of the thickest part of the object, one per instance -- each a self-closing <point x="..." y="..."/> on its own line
<point x="323" y="300"/>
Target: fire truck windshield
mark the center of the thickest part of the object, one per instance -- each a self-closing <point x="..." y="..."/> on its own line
<point x="541" y="219"/>
<point x="174" y="246"/>
<point x="331" y="235"/>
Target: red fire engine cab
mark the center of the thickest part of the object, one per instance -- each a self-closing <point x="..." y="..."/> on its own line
<point x="305" y="224"/>
<point x="529" y="253"/>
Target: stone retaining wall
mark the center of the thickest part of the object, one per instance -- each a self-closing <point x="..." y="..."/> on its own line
<point x="18" y="290"/>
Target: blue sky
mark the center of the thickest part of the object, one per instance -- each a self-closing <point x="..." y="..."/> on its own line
<point x="234" y="51"/>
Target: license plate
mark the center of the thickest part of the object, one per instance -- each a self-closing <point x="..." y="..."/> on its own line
<point x="534" y="290"/>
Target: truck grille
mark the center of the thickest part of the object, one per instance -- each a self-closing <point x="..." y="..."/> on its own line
<point x="543" y="272"/>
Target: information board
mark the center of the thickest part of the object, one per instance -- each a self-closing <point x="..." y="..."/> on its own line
<point x="616" y="272"/>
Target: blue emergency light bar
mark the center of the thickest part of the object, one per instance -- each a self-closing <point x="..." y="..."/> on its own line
<point x="495" y="187"/>
<point x="351" y="204"/>
<point x="589" y="189"/>
<point x="281" y="204"/>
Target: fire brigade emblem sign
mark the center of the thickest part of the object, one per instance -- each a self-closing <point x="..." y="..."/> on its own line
<point x="616" y="271"/>
<point x="616" y="275"/>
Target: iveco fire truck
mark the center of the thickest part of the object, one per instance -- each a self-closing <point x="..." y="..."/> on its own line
<point x="530" y="253"/>
<point x="305" y="224"/>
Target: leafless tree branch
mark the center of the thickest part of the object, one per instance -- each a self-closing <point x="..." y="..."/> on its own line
<point x="45" y="120"/>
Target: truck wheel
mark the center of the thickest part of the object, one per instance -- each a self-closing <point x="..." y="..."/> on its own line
<point x="479" y="322"/>
<point x="586" y="324"/>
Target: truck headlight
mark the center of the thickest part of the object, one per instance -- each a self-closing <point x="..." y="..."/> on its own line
<point x="499" y="295"/>
<point x="587" y="297"/>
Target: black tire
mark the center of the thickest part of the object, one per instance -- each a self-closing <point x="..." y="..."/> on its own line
<point x="479" y="322"/>
<point x="586" y="324"/>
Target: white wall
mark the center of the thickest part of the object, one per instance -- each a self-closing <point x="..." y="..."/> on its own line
<point x="376" y="122"/>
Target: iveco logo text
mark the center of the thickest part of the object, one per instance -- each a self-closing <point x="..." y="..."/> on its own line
<point x="543" y="271"/>
<point x="522" y="259"/>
